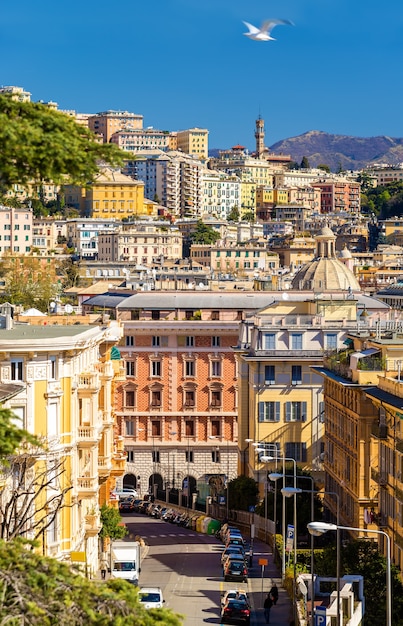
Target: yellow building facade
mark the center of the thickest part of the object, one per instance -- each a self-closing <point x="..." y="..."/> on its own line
<point x="112" y="195"/>
<point x="63" y="377"/>
<point x="281" y="398"/>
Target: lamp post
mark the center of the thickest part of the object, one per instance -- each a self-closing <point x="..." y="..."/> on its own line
<point x="245" y="464"/>
<point x="267" y="459"/>
<point x="288" y="492"/>
<point x="319" y="528"/>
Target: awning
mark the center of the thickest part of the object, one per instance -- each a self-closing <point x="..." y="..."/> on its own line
<point x="356" y="356"/>
<point x="387" y="398"/>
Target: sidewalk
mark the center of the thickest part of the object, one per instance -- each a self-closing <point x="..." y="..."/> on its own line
<point x="259" y="587"/>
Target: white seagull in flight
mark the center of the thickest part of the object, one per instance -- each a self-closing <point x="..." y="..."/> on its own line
<point x="263" y="33"/>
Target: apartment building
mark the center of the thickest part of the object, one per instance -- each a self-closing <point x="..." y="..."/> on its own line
<point x="107" y="123"/>
<point x="193" y="141"/>
<point x="220" y="194"/>
<point x="143" y="242"/>
<point x="15" y="230"/>
<point x="247" y="260"/>
<point x="339" y="196"/>
<point x="295" y="213"/>
<point x="83" y="235"/>
<point x="142" y="139"/>
<point x="65" y="377"/>
<point x="111" y="195"/>
<point x="363" y="456"/>
<point x="178" y="408"/>
<point x="48" y="234"/>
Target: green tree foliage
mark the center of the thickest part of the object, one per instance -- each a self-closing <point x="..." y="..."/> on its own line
<point x="233" y="215"/>
<point x="28" y="281"/>
<point x="39" y="144"/>
<point x="243" y="493"/>
<point x="249" y="216"/>
<point x="384" y="201"/>
<point x="112" y="526"/>
<point x="40" y="591"/>
<point x="204" y="234"/>
<point x="324" y="167"/>
<point x="11" y="435"/>
<point x="362" y="557"/>
<point x="305" y="163"/>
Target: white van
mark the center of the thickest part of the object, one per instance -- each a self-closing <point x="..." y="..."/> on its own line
<point x="151" y="597"/>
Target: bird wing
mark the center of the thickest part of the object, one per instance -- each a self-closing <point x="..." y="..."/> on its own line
<point x="252" y="29"/>
<point x="268" y="25"/>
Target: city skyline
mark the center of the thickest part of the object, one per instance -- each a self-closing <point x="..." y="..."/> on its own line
<point x="187" y="64"/>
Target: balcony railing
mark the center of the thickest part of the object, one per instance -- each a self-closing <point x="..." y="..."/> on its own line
<point x="88" y="435"/>
<point x="87" y="486"/>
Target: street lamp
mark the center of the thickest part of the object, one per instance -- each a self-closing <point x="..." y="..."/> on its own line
<point x="288" y="492"/>
<point x="319" y="528"/>
<point x="268" y="459"/>
<point x="245" y="464"/>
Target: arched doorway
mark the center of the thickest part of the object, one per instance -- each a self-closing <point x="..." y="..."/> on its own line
<point x="156" y="486"/>
<point x="189" y="486"/>
<point x="131" y="481"/>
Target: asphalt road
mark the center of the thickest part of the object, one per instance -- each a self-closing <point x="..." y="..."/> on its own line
<point x="186" y="565"/>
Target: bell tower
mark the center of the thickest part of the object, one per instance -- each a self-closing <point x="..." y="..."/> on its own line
<point x="259" y="136"/>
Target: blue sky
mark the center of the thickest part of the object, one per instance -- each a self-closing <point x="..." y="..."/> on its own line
<point x="185" y="63"/>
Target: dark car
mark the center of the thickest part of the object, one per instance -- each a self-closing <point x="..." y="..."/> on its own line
<point x="235" y="570"/>
<point x="126" y="503"/>
<point x="235" y="611"/>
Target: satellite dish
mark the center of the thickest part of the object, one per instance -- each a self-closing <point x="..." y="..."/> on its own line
<point x="285" y="296"/>
<point x="68" y="308"/>
<point x="52" y="305"/>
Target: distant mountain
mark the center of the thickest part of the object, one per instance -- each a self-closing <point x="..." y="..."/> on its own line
<point x="339" y="151"/>
<point x="349" y="153"/>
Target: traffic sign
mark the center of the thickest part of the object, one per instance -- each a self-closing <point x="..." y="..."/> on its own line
<point x="320" y="616"/>
<point x="290" y="538"/>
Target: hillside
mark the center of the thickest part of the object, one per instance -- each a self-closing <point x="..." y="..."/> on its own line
<point x="349" y="153"/>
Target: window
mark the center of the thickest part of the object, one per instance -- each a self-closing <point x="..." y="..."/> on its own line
<point x="269" y="375"/>
<point x="129" y="368"/>
<point x="130" y="456"/>
<point x="189" y="456"/>
<point x="215" y="368"/>
<point x="155" y="315"/>
<point x="190" y="342"/>
<point x="189" y="398"/>
<point x="16" y="369"/>
<point x="53" y="367"/>
<point x="331" y="341"/>
<point x="129" y="398"/>
<point x="188" y="315"/>
<point x="156" y="368"/>
<point x="189" y="428"/>
<point x="295" y="411"/>
<point x="129" y="340"/>
<point x="189" y="368"/>
<point x="215" y="428"/>
<point x="156" y="398"/>
<point x="215" y="342"/>
<point x="296" y="341"/>
<point x="156" y="342"/>
<point x="215" y="315"/>
<point x="216" y="398"/>
<point x="269" y="341"/>
<point x="156" y="456"/>
<point x="296" y="375"/>
<point x="215" y="456"/>
<point x="296" y="451"/>
<point x="156" y="428"/>
<point x="269" y="411"/>
<point x="129" y="427"/>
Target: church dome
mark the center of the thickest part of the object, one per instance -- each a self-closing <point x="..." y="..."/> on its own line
<point x="325" y="272"/>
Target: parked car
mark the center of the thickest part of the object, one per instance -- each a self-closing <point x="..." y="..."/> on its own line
<point x="235" y="594"/>
<point x="126" y="503"/>
<point x="231" y="550"/>
<point x="235" y="541"/>
<point x="235" y="611"/>
<point x="125" y="491"/>
<point x="151" y="597"/>
<point x="235" y="569"/>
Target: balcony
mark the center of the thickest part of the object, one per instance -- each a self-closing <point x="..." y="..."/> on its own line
<point x="87" y="486"/>
<point x="88" y="436"/>
<point x="104" y="465"/>
<point x="88" y="382"/>
<point x="118" y="465"/>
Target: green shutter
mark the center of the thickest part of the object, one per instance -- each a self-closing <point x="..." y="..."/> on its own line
<point x="261" y="411"/>
<point x="277" y="416"/>
<point x="288" y="411"/>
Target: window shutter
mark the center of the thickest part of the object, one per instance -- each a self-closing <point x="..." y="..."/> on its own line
<point x="277" y="416"/>
<point x="288" y="411"/>
<point x="181" y="340"/>
<point x="304" y="410"/>
<point x="164" y="341"/>
<point x="303" y="452"/>
<point x="261" y="411"/>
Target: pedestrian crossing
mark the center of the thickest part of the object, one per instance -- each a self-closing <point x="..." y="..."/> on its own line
<point x="145" y="536"/>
